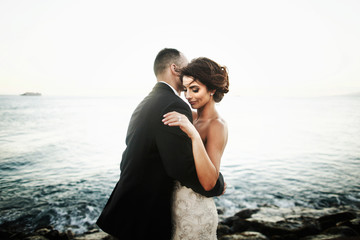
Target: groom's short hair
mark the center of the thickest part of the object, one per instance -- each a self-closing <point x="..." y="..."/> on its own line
<point x="165" y="58"/>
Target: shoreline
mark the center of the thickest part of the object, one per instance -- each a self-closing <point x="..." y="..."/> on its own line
<point x="291" y="224"/>
<point x="255" y="224"/>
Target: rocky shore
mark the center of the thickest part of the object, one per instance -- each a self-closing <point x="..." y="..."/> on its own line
<point x="266" y="223"/>
<point x="291" y="224"/>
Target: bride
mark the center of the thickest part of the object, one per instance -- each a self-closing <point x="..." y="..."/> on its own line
<point x="205" y="83"/>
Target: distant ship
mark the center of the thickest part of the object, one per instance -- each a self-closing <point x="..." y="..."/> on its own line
<point x="31" y="94"/>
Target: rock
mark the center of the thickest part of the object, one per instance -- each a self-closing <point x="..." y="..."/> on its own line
<point x="70" y="234"/>
<point x="94" y="230"/>
<point x="37" y="237"/>
<point x="273" y="229"/>
<point x="220" y="211"/>
<point x="43" y="231"/>
<point x="53" y="235"/>
<point x="331" y="220"/>
<point x="246" y="213"/>
<point x="322" y="237"/>
<point x="229" y="221"/>
<point x="5" y="234"/>
<point x="222" y="230"/>
<point x="354" y="224"/>
<point x="244" y="236"/>
<point x="306" y="231"/>
<point x="342" y="230"/>
<point x="285" y="237"/>
<point x="240" y="225"/>
<point x="9" y="231"/>
<point x="95" y="236"/>
<point x="269" y="229"/>
<point x="254" y="235"/>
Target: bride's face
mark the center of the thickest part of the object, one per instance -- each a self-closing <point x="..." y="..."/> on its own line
<point x="195" y="92"/>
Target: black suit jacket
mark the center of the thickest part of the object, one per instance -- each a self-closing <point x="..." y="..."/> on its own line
<point x="156" y="155"/>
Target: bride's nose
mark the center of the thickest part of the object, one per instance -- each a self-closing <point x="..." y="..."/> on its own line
<point x="187" y="95"/>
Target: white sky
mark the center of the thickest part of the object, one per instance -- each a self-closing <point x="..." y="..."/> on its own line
<point x="85" y="47"/>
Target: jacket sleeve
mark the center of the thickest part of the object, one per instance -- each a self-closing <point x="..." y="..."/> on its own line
<point x="175" y="149"/>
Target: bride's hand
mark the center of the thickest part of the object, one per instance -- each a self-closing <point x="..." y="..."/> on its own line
<point x="178" y="119"/>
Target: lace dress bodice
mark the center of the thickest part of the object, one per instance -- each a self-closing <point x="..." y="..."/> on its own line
<point x="194" y="216"/>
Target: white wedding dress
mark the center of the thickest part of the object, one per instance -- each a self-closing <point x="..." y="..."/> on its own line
<point x="194" y="216"/>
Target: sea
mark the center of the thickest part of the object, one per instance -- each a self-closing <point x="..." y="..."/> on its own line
<point x="60" y="156"/>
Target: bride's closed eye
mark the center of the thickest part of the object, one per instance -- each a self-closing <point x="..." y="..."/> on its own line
<point x="195" y="89"/>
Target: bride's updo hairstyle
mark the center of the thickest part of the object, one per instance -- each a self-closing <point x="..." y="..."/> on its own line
<point x="209" y="73"/>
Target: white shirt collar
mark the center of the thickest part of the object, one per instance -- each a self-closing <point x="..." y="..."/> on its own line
<point x="176" y="93"/>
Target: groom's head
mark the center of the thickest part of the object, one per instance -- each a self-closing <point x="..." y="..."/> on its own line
<point x="167" y="64"/>
<point x="168" y="57"/>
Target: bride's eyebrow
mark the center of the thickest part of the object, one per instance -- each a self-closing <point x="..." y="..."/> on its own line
<point x="194" y="87"/>
<point x="194" y="84"/>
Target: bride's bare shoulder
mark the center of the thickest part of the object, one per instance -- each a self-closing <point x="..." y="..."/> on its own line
<point x="218" y="125"/>
<point x="217" y="133"/>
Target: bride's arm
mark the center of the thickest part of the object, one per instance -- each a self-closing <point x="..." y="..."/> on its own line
<point x="207" y="158"/>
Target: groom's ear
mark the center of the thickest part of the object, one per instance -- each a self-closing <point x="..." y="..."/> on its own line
<point x="174" y="69"/>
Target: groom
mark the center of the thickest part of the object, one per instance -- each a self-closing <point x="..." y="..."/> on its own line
<point x="156" y="155"/>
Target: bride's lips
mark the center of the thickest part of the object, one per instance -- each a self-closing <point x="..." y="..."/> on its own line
<point x="191" y="103"/>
